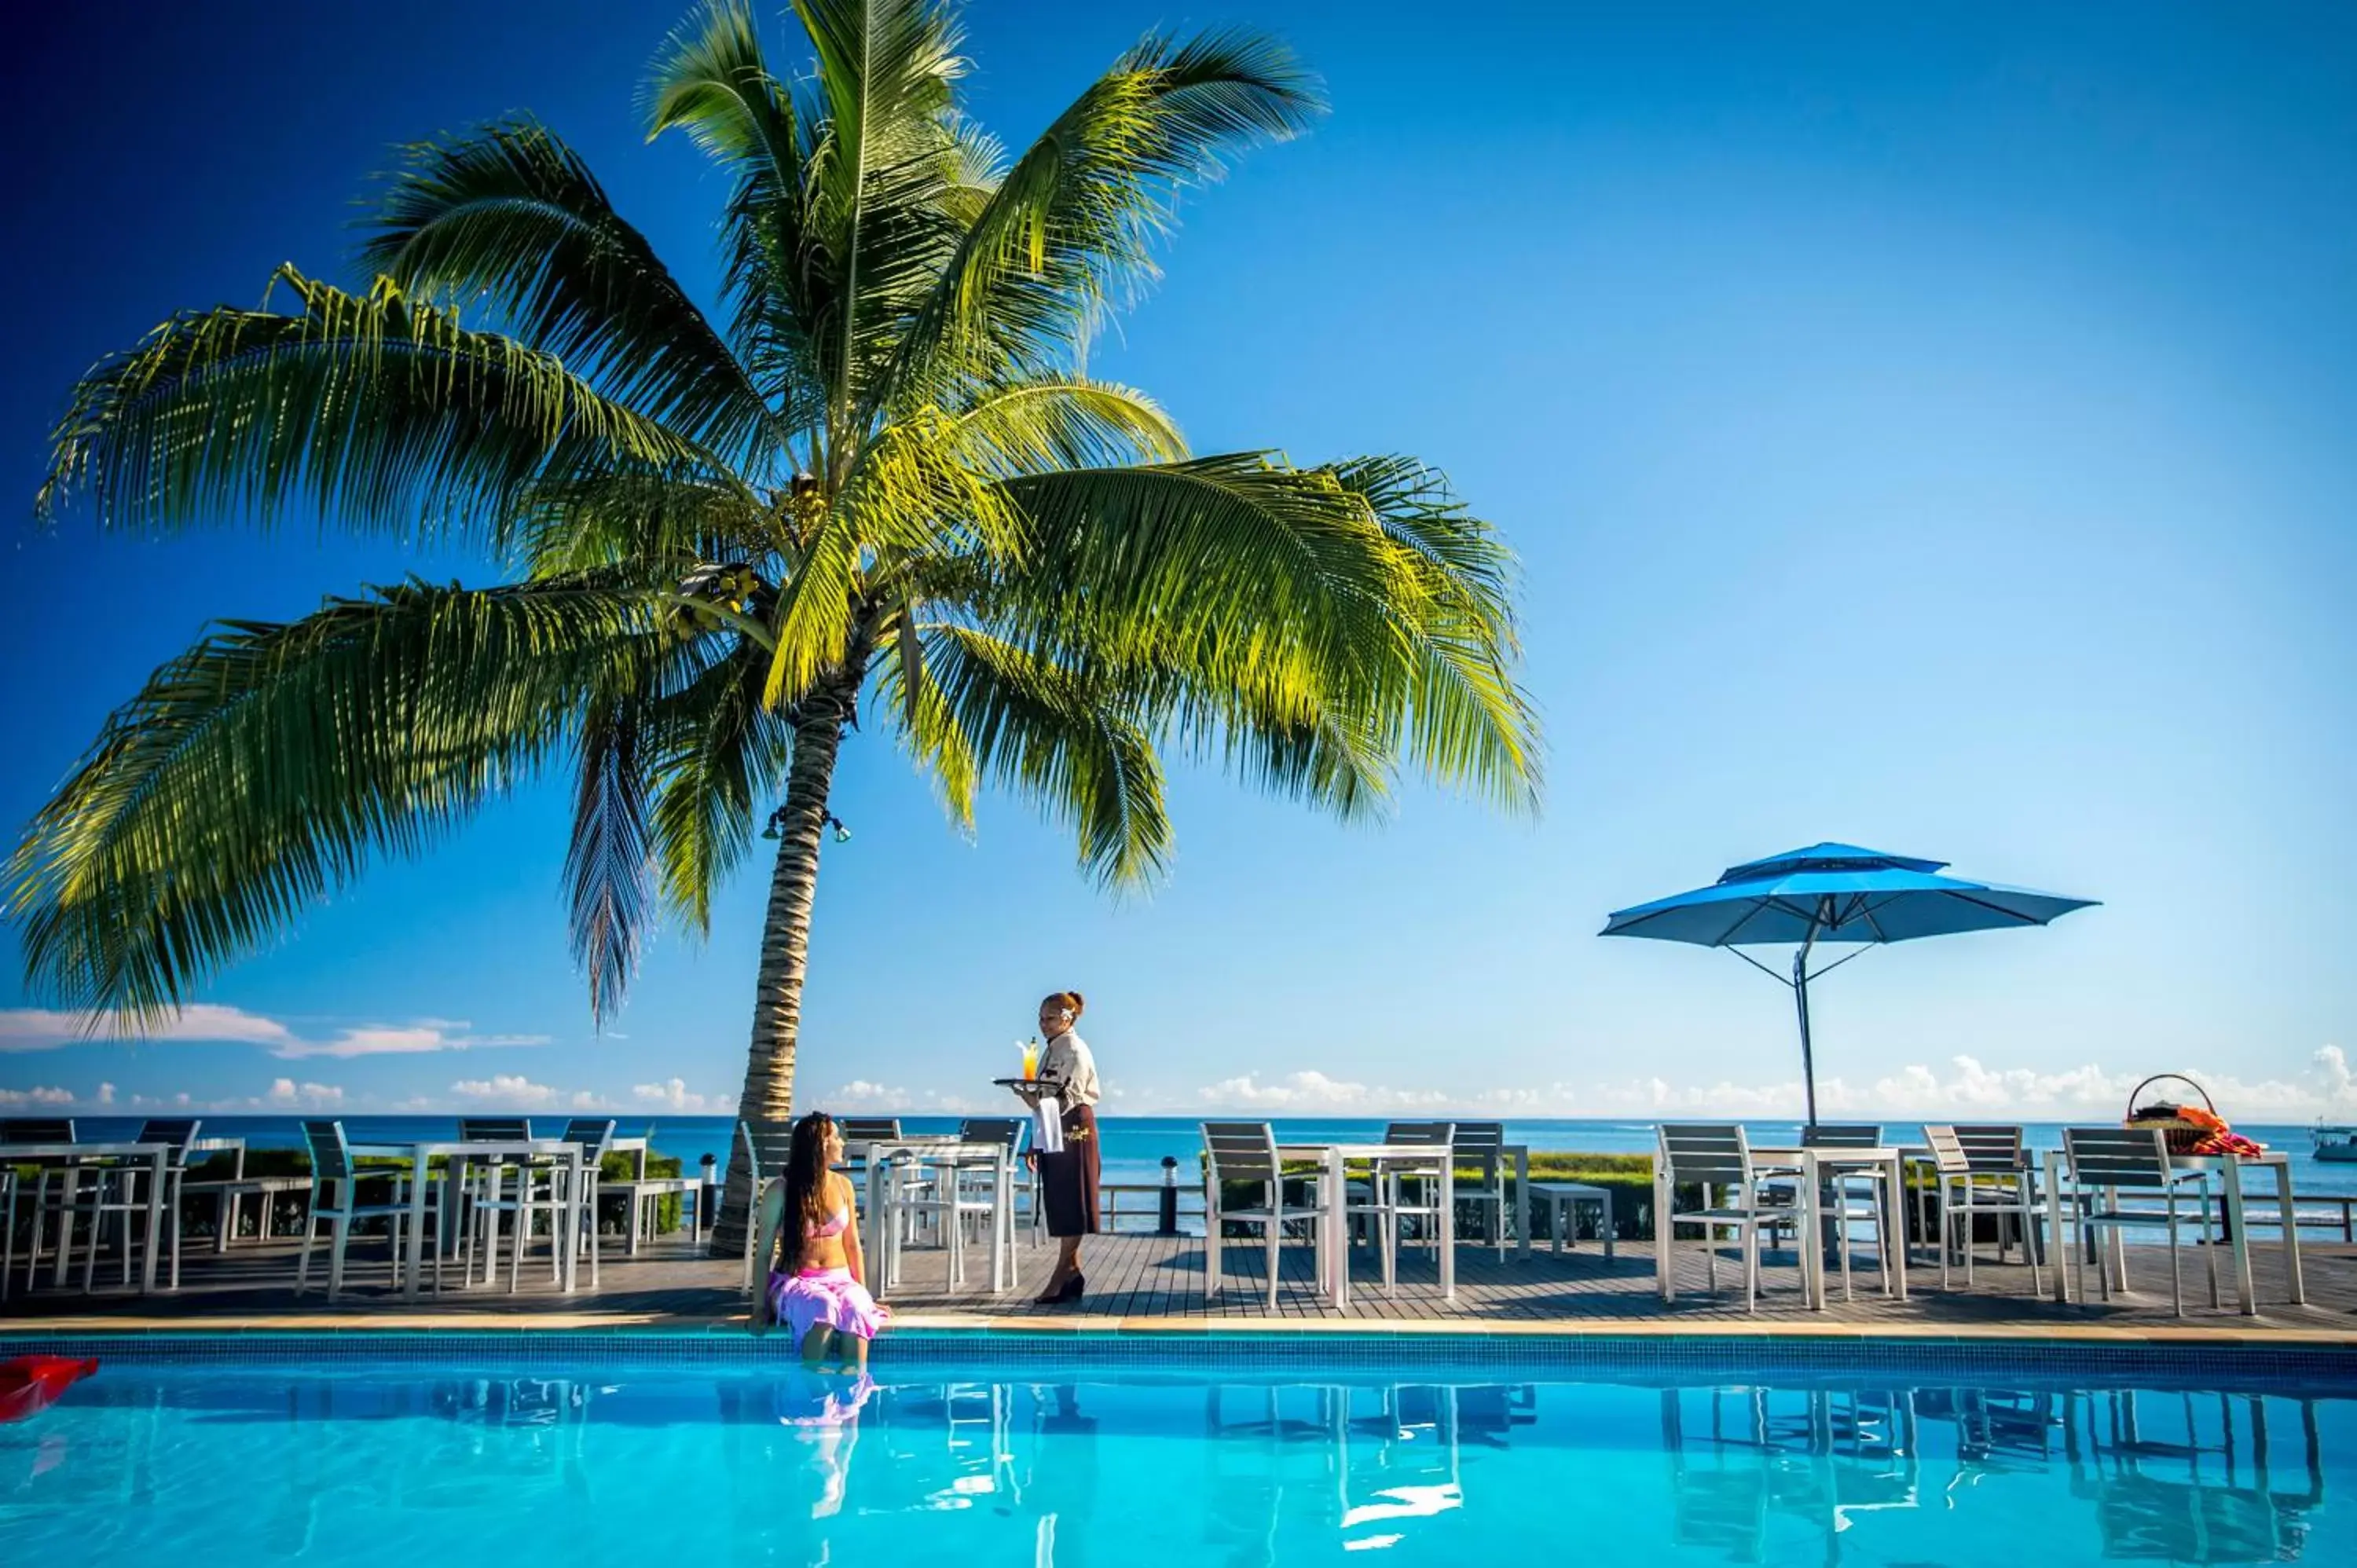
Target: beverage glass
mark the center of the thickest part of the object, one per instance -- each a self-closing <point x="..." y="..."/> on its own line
<point x="1031" y="1059"/>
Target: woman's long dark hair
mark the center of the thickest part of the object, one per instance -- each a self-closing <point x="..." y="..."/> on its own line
<point x="806" y="1178"/>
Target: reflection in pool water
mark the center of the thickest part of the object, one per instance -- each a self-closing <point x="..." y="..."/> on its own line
<point x="425" y="1467"/>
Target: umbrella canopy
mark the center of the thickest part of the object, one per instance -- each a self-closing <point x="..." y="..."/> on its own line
<point x="1833" y="893"/>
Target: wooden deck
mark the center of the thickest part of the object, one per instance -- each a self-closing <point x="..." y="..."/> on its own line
<point x="1144" y="1281"/>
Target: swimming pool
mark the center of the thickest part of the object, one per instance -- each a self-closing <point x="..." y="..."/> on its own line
<point x="1062" y="1458"/>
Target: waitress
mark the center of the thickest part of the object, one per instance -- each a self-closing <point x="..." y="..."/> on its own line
<point x="1068" y="1179"/>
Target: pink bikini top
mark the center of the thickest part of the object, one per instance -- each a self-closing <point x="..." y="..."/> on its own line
<point x="836" y="1224"/>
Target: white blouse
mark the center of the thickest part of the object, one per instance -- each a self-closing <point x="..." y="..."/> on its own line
<point x="1068" y="1061"/>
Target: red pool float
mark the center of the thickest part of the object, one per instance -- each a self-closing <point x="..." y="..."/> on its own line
<point x="30" y="1383"/>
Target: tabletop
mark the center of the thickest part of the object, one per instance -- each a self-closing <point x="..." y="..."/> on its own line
<point x="931" y="1147"/>
<point x="2203" y="1161"/>
<point x="432" y="1146"/>
<point x="81" y="1150"/>
<point x="1434" y="1152"/>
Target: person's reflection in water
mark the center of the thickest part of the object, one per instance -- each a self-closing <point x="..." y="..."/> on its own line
<point x="823" y="1409"/>
<point x="1064" y="1484"/>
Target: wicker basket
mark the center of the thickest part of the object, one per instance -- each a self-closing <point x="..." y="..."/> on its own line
<point x="2181" y="1133"/>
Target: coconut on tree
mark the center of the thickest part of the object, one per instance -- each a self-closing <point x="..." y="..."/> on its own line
<point x="876" y="485"/>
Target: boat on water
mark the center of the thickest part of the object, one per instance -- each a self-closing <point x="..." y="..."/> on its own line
<point x="2335" y="1144"/>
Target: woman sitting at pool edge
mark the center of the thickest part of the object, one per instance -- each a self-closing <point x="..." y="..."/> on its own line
<point x="815" y="1281"/>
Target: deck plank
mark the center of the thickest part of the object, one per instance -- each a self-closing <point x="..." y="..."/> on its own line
<point x="1140" y="1278"/>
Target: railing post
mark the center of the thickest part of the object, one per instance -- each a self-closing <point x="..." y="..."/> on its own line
<point x="1169" y="1218"/>
<point x="707" y="1198"/>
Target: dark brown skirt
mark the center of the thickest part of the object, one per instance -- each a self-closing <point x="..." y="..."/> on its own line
<point x="1068" y="1181"/>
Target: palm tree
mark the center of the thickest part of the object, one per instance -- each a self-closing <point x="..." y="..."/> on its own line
<point x="880" y="483"/>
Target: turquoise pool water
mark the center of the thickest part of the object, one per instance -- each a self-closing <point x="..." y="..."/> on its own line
<point x="434" y="1466"/>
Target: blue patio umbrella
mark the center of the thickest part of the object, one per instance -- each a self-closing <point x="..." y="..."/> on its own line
<point x="1833" y="893"/>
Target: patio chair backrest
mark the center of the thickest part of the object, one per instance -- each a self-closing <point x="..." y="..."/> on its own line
<point x="869" y="1129"/>
<point x="592" y="1134"/>
<point x="1704" y="1153"/>
<point x="1841" y="1135"/>
<point x="179" y="1131"/>
<point x="36" y="1129"/>
<point x="1420" y="1134"/>
<point x="1991" y="1147"/>
<point x="1006" y="1131"/>
<point x="1241" y="1151"/>
<point x="2118" y="1156"/>
<point x="766" y="1142"/>
<point x="494" y="1130"/>
<point x="1949" y="1156"/>
<point x="331" y="1158"/>
<point x="1483" y="1143"/>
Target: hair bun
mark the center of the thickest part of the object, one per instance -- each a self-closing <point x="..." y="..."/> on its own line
<point x="1078" y="1006"/>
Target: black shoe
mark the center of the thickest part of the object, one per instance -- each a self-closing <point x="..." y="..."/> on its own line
<point x="1072" y="1288"/>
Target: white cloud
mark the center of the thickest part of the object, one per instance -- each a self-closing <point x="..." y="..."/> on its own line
<point x="507" y="1089"/>
<point x="39" y="1095"/>
<point x="674" y="1095"/>
<point x="106" y="1094"/>
<point x="383" y="1039"/>
<point x="863" y="1094"/>
<point x="1311" y="1091"/>
<point x="866" y="1095"/>
<point x="286" y="1092"/>
<point x="1963" y="1086"/>
<point x="40" y="1029"/>
<point x="1968" y="1086"/>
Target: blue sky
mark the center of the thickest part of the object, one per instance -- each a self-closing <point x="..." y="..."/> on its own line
<point x="1923" y="427"/>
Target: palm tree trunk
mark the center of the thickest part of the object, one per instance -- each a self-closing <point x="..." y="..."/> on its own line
<point x="768" y="1092"/>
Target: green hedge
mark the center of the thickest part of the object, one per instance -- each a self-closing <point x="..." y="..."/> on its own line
<point x="1630" y="1178"/>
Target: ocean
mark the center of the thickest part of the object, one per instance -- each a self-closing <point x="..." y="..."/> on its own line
<point x="1134" y="1146"/>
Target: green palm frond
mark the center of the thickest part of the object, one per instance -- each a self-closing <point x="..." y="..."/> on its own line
<point x="1056" y="737"/>
<point x="381" y="411"/>
<point x="880" y="172"/>
<point x="978" y="162"/>
<point x="260" y="771"/>
<point x="907" y="689"/>
<point x="607" y="870"/>
<point x="713" y="82"/>
<point x="645" y="523"/>
<point x="1358" y="612"/>
<point x="716" y="751"/>
<point x="1065" y="421"/>
<point x="1459" y="712"/>
<point x="1072" y="222"/>
<point x="511" y="215"/>
<point x="1194" y="549"/>
<point x="817" y="612"/>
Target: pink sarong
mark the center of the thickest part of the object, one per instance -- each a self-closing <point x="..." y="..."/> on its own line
<point x="809" y="1405"/>
<point x="801" y="1302"/>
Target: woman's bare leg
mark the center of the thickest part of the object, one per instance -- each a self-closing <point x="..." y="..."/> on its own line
<point x="1068" y="1255"/>
<point x="818" y="1346"/>
<point x="858" y="1353"/>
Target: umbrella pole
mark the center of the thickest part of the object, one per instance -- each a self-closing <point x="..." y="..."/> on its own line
<point x="1801" y="1001"/>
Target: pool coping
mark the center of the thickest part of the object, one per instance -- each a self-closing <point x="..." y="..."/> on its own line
<point x="982" y="1330"/>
